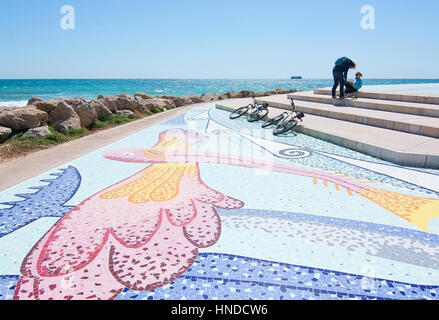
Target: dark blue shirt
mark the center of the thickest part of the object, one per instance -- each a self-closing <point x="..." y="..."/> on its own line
<point x="344" y="67"/>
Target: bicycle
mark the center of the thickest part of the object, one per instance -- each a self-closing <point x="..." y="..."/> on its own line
<point x="254" y="111"/>
<point x="289" y="120"/>
<point x="274" y="121"/>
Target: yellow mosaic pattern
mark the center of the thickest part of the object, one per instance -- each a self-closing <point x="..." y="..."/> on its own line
<point x="159" y="183"/>
<point x="416" y="210"/>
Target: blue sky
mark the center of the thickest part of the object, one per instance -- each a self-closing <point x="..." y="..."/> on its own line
<point x="216" y="38"/>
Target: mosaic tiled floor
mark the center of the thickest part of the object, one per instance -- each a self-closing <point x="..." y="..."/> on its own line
<point x="203" y="207"/>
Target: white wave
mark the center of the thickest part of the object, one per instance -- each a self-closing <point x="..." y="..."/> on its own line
<point x="21" y="103"/>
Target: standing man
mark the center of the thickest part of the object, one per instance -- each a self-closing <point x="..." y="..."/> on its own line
<point x="340" y="73"/>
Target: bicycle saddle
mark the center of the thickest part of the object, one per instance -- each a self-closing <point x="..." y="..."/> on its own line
<point x="300" y="115"/>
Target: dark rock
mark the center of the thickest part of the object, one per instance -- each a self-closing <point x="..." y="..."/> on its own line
<point x="46" y="106"/>
<point x="23" y="118"/>
<point x="246" y="93"/>
<point x="234" y="95"/>
<point x="210" y="97"/>
<point x="123" y="95"/>
<point x="154" y="103"/>
<point x="74" y="101"/>
<point x="33" y="100"/>
<point x="125" y="112"/>
<point x="142" y="95"/>
<point x="193" y="98"/>
<point x="86" y="112"/>
<point x="123" y="102"/>
<point x="109" y="102"/>
<point x="169" y="104"/>
<point x="5" y="133"/>
<point x="38" y="132"/>
<point x="101" y="111"/>
<point x="178" y="101"/>
<point x="64" y="118"/>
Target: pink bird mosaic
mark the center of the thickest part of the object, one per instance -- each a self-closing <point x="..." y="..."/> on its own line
<point x="141" y="233"/>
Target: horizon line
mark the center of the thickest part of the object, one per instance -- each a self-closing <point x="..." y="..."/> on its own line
<point x="437" y="79"/>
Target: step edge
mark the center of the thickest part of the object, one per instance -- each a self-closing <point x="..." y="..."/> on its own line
<point x="392" y="96"/>
<point x="412" y="110"/>
<point x="398" y="157"/>
<point x="394" y="103"/>
<point x="396" y="125"/>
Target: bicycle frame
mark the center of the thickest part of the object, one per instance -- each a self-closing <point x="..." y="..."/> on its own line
<point x="251" y="109"/>
<point x="287" y="119"/>
<point x="255" y="107"/>
<point x="291" y="115"/>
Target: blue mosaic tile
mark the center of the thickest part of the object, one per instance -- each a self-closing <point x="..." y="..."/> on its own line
<point x="47" y="201"/>
<point x="254" y="279"/>
<point x="339" y="222"/>
<point x="7" y="287"/>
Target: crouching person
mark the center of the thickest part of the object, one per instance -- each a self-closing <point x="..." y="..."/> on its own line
<point x="352" y="87"/>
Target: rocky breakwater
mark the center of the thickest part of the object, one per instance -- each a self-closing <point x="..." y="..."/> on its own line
<point x="66" y="114"/>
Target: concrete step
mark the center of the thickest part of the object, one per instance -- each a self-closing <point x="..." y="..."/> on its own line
<point x="389" y="145"/>
<point x="421" y="125"/>
<point x="420" y="109"/>
<point x="402" y="97"/>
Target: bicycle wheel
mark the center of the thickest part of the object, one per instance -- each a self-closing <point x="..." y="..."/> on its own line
<point x="256" y="116"/>
<point x="273" y="121"/>
<point x="239" y="112"/>
<point x="285" y="127"/>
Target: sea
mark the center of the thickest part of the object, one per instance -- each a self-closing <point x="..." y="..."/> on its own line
<point x="18" y="91"/>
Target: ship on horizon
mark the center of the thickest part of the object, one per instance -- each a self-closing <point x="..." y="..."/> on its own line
<point x="296" y="78"/>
